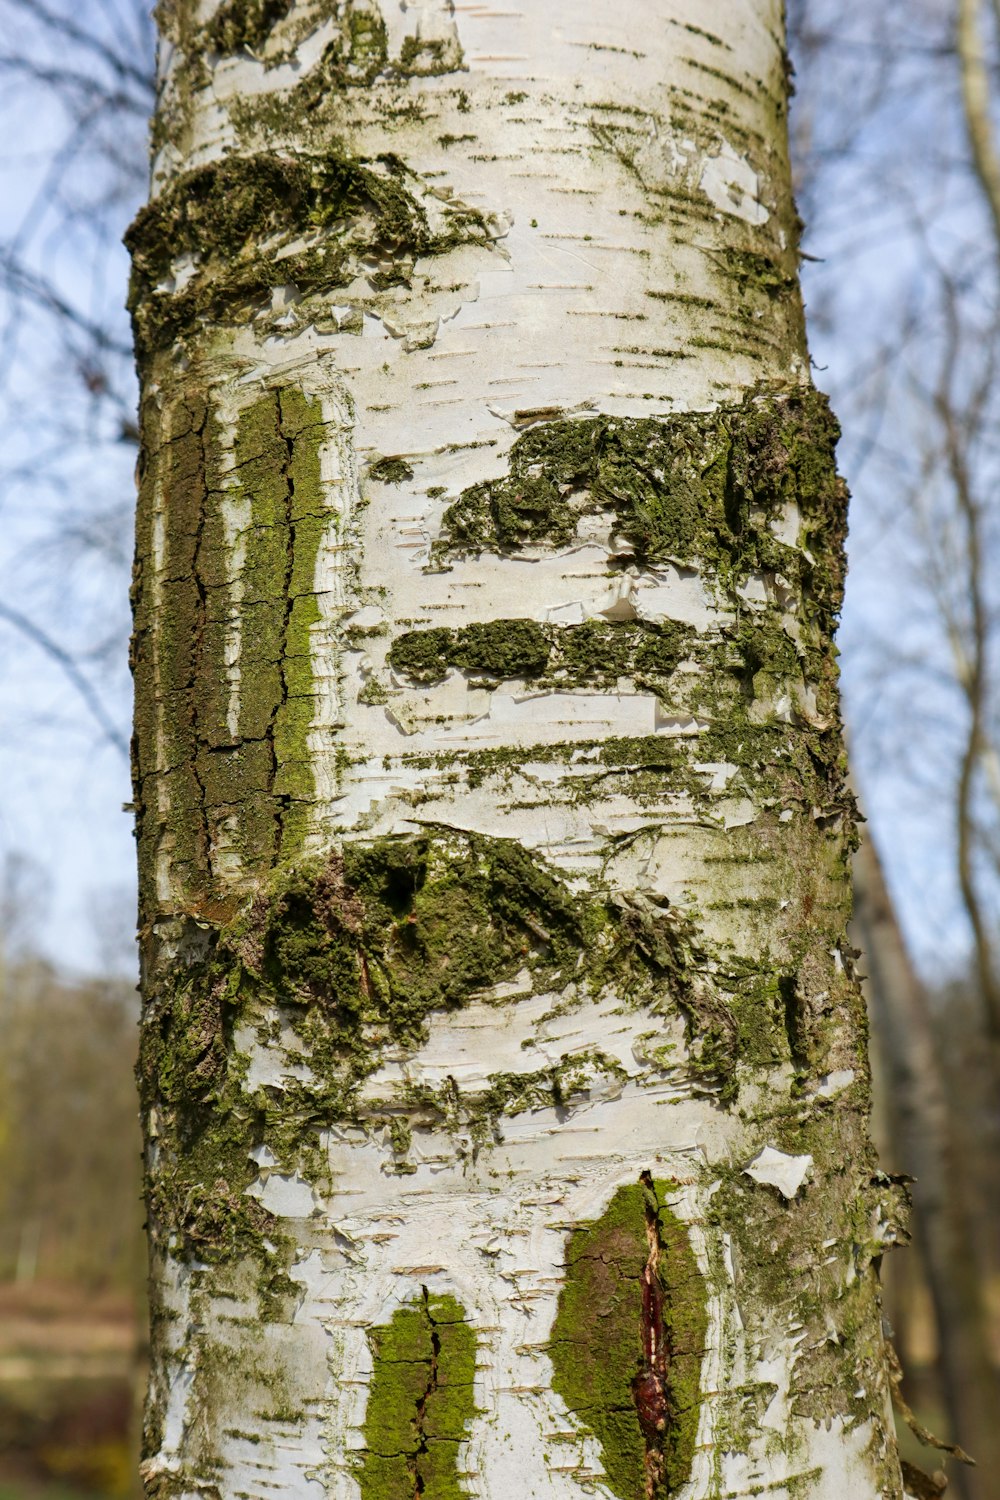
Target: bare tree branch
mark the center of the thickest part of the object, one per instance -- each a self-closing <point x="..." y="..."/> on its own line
<point x="40" y="291"/>
<point x="65" y="29"/>
<point x="67" y="662"/>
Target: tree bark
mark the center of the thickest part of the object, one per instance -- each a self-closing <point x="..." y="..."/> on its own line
<point x="503" y="1067"/>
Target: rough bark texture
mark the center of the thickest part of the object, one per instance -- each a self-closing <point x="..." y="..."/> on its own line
<point x="503" y="1067"/>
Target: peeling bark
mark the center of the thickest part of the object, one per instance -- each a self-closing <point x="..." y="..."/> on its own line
<point x="492" y="827"/>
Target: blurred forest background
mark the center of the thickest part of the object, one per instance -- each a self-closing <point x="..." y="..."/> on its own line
<point x="896" y="141"/>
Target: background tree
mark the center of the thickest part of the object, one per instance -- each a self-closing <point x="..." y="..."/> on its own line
<point x="72" y="1261"/>
<point x="917" y="397"/>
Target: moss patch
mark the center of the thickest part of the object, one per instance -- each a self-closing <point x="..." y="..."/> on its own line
<point x="172" y="651"/>
<point x="243" y="784"/>
<point x="750" y="270"/>
<point x="356" y="954"/>
<point x="366" y="947"/>
<point x="354" y="57"/>
<point x="502" y="648"/>
<point x="390" y="470"/>
<point x="219" y="216"/>
<point x="358" y="55"/>
<point x="197" y="1194"/>
<point x="278" y="467"/>
<point x="628" y="1341"/>
<point x="393" y="930"/>
<point x="700" y="488"/>
<point x="426" y="56"/>
<point x="850" y="1210"/>
<point x="243" y="25"/>
<point x="419" y="1403"/>
<point x="594" y="654"/>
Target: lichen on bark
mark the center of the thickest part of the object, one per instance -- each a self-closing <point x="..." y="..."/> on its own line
<point x="851" y="1209"/>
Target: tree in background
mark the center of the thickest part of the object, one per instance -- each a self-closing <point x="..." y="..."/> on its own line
<point x="72" y="1261"/>
<point x="503" y="1067"/>
<point x="919" y="399"/>
<point x="74" y="104"/>
<point x="919" y="402"/>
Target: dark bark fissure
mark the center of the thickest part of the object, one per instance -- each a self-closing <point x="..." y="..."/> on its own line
<point x="419" y="1482"/>
<point x="199" y="666"/>
<point x="282" y="800"/>
<point x="651" y="1386"/>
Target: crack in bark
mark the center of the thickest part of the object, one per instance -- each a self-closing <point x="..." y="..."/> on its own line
<point x="281" y="800"/>
<point x="420" y="1402"/>
<point x="628" y="1340"/>
<point x="413" y="1462"/>
<point x="651" y="1386"/>
<point x="198" y="642"/>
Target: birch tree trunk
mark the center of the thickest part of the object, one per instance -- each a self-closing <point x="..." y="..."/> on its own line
<point x="503" y="1067"/>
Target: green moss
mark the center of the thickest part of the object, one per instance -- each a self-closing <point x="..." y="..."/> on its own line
<point x="277" y="467"/>
<point x="355" y="57"/>
<point x="502" y="648"/>
<point x="167" y="648"/>
<point x="596" y="653"/>
<point x="388" y="932"/>
<point x="243" y="784"/>
<point x="376" y="939"/>
<point x="197" y="1194"/>
<point x="668" y="946"/>
<point x="420" y="1402"/>
<point x="356" y="954"/>
<point x="219" y="215"/>
<point x="390" y="470"/>
<point x="301" y="427"/>
<point x="700" y="488"/>
<point x="607" y="1326"/>
<point x="759" y="1003"/>
<point x="750" y="269"/>
<point x="830" y="1295"/>
<point x="424" y="57"/>
<point x="665" y="762"/>
<point x="712" y="492"/>
<point x="558" y="1087"/>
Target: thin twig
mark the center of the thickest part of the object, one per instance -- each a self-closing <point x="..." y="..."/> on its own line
<point x="68" y="664"/>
